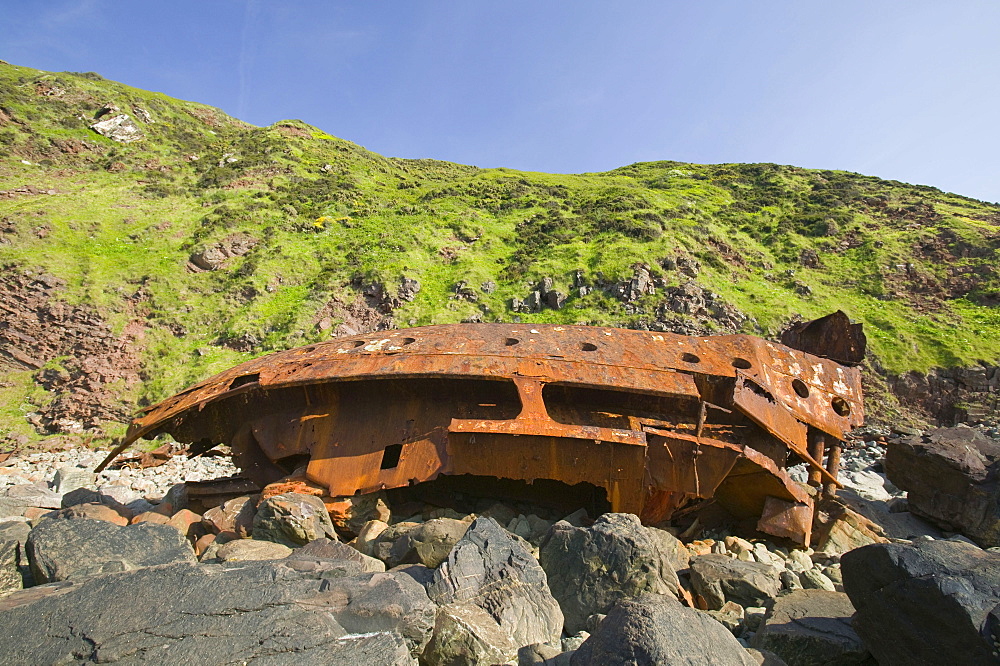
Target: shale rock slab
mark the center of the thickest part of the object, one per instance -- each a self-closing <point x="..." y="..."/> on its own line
<point x="255" y="613"/>
<point x="327" y="549"/>
<point x="950" y="478"/>
<point x="14" y="500"/>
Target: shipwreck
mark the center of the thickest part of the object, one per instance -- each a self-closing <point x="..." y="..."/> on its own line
<point x="655" y="421"/>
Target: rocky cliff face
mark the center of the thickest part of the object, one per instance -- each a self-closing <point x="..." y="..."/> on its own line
<point x="947" y="396"/>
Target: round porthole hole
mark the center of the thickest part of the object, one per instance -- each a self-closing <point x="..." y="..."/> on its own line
<point x="841" y="406"/>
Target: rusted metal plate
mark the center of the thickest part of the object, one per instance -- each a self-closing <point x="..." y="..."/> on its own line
<point x="654" y="419"/>
<point x="832" y="336"/>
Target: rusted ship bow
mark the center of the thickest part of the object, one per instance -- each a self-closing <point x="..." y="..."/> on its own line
<point x="656" y="420"/>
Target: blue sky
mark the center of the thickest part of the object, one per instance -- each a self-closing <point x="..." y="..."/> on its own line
<point x="905" y="89"/>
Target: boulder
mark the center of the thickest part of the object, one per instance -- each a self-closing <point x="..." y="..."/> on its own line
<point x="188" y="523"/>
<point x="326" y="549"/>
<point x="949" y="475"/>
<point x="14" y="530"/>
<point x="151" y="517"/>
<point x="812" y="628"/>
<point x="292" y="519"/>
<point x="466" y="635"/>
<point x="591" y="568"/>
<point x="423" y="543"/>
<point x="253" y="612"/>
<point x="234" y="515"/>
<point x="18" y="532"/>
<point x="672" y="547"/>
<point x="70" y="477"/>
<point x="408" y="289"/>
<point x="488" y="567"/>
<point x="719" y="578"/>
<point x="245" y="550"/>
<point x="542" y="654"/>
<point x="932" y="602"/>
<point x="351" y="514"/>
<point x="653" y="630"/>
<point x="731" y="616"/>
<point x="380" y="546"/>
<point x="814" y="579"/>
<point x="838" y="528"/>
<point x="71" y="549"/>
<point x="893" y="519"/>
<point x="367" y="539"/>
<point x="90" y="496"/>
<point x="209" y="259"/>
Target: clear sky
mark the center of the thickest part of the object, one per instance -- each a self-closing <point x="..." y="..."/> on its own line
<point x="907" y="89"/>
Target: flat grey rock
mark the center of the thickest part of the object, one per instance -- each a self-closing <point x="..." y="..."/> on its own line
<point x="248" y="613"/>
<point x="812" y="628"/>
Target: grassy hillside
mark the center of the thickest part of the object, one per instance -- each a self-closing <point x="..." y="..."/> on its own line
<point x="309" y="234"/>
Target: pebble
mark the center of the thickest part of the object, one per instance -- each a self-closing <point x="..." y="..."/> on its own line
<point x="813" y="579"/>
<point x="52" y="468"/>
<point x="799" y="560"/>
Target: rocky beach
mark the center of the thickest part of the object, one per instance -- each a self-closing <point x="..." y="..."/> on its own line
<point x="132" y="565"/>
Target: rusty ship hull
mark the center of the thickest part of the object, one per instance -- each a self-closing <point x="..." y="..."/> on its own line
<point x="656" y="420"/>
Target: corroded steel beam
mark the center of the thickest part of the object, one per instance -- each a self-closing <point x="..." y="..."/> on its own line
<point x="655" y="419"/>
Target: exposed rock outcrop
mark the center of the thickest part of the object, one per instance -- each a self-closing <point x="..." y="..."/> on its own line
<point x="119" y="128"/>
<point x="36" y="328"/>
